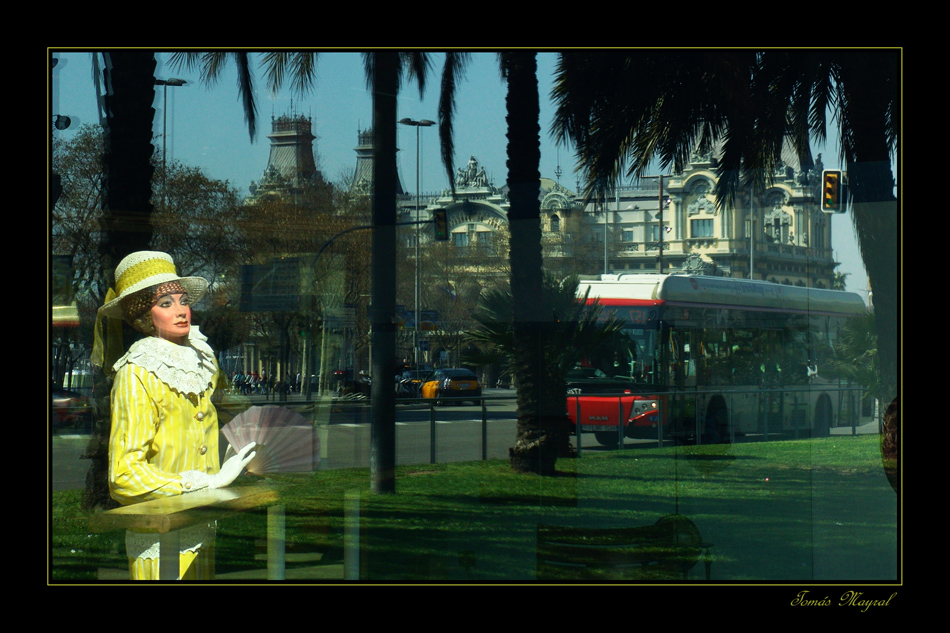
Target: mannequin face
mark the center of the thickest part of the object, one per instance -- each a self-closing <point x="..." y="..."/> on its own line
<point x="171" y="315"/>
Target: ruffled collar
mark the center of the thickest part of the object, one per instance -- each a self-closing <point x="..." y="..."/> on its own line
<point x="187" y="368"/>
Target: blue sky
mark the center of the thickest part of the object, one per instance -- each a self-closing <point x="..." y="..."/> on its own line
<point x="206" y="126"/>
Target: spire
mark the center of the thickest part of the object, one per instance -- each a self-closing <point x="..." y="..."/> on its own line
<point x="291" y="165"/>
<point x="363" y="177"/>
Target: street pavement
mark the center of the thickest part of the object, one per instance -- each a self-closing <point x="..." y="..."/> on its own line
<point x="343" y="428"/>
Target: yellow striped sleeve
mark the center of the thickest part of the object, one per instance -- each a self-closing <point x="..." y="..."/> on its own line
<point x="136" y="471"/>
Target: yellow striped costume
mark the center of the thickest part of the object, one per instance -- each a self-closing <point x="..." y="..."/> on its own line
<point x="163" y="424"/>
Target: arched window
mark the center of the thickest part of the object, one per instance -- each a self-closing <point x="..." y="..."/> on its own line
<point x="555" y="224"/>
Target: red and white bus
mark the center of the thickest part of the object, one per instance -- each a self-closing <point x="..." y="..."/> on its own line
<point x="708" y="359"/>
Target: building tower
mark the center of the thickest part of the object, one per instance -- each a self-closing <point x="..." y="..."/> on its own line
<point x="291" y="167"/>
<point x="363" y="176"/>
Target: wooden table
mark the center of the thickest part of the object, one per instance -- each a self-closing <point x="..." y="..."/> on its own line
<point x="167" y="516"/>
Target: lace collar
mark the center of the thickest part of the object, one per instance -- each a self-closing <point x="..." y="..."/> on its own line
<point x="187" y="368"/>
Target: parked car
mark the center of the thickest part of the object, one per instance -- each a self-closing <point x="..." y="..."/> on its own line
<point x="452" y="383"/>
<point x="70" y="409"/>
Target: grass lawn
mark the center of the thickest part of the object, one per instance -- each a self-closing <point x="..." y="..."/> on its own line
<point x="798" y="511"/>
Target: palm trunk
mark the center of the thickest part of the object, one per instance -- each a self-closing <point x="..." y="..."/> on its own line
<point x="126" y="222"/>
<point x="383" y="399"/>
<point x="876" y="220"/>
<point x="536" y="448"/>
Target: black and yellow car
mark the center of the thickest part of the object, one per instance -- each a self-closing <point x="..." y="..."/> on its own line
<point x="453" y="385"/>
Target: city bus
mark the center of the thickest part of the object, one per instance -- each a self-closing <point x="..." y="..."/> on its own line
<point x="711" y="359"/>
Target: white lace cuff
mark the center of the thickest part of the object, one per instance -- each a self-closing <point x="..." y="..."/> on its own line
<point x="194" y="480"/>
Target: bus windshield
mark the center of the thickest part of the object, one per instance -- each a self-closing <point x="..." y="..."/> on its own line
<point x="630" y="358"/>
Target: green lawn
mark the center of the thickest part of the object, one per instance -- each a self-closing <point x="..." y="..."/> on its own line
<point x="799" y="511"/>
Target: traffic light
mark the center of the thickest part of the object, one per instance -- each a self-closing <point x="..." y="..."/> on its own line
<point x="831" y="198"/>
<point x="441" y="224"/>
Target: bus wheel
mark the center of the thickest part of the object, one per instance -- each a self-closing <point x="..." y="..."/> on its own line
<point x="606" y="438"/>
<point x="822" y="422"/>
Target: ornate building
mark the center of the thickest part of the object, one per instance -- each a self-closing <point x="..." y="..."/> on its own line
<point x="672" y="225"/>
<point x="780" y="233"/>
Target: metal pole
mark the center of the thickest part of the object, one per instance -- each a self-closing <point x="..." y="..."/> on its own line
<point x="660" y="200"/>
<point x="620" y="422"/>
<point x="415" y="329"/>
<point x="605" y="233"/>
<point x="577" y="423"/>
<point x="752" y="235"/>
<point x="484" y="430"/>
<point x="165" y="83"/>
<point x="164" y="151"/>
<point x="432" y="432"/>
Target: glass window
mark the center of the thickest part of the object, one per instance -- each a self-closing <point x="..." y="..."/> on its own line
<point x="724" y="429"/>
<point x="701" y="228"/>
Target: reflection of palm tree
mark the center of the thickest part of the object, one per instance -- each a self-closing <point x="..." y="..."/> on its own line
<point x="128" y="78"/>
<point x="854" y="356"/>
<point x="383" y="71"/>
<point x="539" y="416"/>
<point x="571" y="334"/>
<point x="840" y="281"/>
<point x="632" y="108"/>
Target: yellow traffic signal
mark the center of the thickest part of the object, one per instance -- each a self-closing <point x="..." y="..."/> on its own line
<point x="441" y="225"/>
<point x="831" y="191"/>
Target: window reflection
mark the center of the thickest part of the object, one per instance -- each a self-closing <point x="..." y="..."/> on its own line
<point x="283" y="240"/>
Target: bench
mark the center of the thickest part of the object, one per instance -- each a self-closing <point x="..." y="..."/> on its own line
<point x="666" y="550"/>
<point x="167" y="516"/>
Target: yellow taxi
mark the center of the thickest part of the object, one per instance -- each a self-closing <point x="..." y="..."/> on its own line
<point x="459" y="384"/>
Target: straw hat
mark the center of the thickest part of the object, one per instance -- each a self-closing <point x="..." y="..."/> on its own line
<point x="145" y="269"/>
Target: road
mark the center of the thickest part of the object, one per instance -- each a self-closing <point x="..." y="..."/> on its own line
<point x="344" y="431"/>
<point x="456" y="432"/>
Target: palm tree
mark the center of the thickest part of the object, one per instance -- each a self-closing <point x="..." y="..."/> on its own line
<point x="576" y="332"/>
<point x="384" y="70"/>
<point x="625" y="110"/>
<point x="536" y="448"/>
<point x="854" y="356"/>
<point x="128" y="77"/>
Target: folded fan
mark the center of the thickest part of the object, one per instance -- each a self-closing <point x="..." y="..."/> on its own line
<point x="286" y="441"/>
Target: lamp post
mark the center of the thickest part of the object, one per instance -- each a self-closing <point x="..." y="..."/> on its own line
<point x="165" y="83"/>
<point x="415" y="329"/>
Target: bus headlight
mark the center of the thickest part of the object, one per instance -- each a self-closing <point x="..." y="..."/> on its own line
<point x="644" y="406"/>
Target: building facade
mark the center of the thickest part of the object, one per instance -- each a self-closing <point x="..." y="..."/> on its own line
<point x="671" y="224"/>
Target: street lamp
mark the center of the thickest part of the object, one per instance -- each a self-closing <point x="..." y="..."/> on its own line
<point x="415" y="329"/>
<point x="165" y="83"/>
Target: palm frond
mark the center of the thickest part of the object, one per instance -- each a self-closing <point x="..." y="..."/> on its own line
<point x="416" y="66"/>
<point x="210" y="66"/>
<point x="452" y="74"/>
<point x="575" y="328"/>
<point x="300" y="66"/>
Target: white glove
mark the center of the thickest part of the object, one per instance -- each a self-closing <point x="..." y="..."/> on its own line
<point x="233" y="467"/>
<point x="193" y="480"/>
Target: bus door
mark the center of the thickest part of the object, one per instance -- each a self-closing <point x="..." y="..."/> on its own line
<point x="681" y="366"/>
